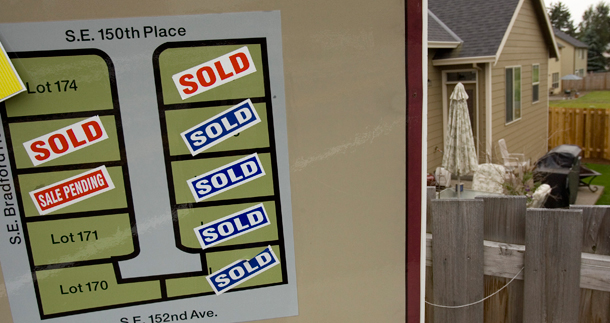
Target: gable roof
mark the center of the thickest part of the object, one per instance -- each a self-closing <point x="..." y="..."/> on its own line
<point x="569" y="39"/>
<point x="439" y="35"/>
<point x="483" y="26"/>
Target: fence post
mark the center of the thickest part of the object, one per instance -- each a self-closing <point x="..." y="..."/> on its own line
<point x="553" y="243"/>
<point x="457" y="259"/>
<point x="594" y="304"/>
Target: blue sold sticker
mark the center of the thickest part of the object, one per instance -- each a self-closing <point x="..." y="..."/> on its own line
<point x="232" y="226"/>
<point x="226" y="177"/>
<point x="220" y="127"/>
<point x="241" y="270"/>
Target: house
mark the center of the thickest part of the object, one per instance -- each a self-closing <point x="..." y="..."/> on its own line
<point x="572" y="60"/>
<point x="499" y="50"/>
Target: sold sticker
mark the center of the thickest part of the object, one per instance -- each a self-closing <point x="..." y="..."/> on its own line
<point x="241" y="271"/>
<point x="220" y="127"/>
<point x="226" y="177"/>
<point x="231" y="226"/>
<point x="65" y="140"/>
<point x="72" y="190"/>
<point x="214" y="73"/>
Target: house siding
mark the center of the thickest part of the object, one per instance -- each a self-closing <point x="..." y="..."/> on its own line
<point x="435" y="115"/>
<point x="525" y="46"/>
<point x="567" y="59"/>
<point x="554" y="67"/>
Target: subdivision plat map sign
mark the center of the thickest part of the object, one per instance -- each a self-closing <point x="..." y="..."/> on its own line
<point x="144" y="171"/>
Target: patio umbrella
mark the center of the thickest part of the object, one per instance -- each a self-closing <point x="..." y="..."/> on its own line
<point x="571" y="77"/>
<point x="460" y="155"/>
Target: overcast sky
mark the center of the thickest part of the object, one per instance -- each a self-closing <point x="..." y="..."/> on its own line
<point x="576" y="7"/>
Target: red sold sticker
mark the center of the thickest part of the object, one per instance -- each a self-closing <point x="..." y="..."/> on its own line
<point x="214" y="73"/>
<point x="65" y="140"/>
<point x="72" y="190"/>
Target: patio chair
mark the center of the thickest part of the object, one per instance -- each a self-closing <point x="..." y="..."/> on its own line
<point x="512" y="160"/>
<point x="539" y="197"/>
<point x="489" y="178"/>
<point x="443" y="177"/>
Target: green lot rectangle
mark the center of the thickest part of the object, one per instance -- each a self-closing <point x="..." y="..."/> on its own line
<point x="175" y="60"/>
<point x="188" y="286"/>
<point x="189" y="219"/>
<point x="70" y="240"/>
<point x="218" y="260"/>
<point x="83" y="288"/>
<point x="184" y="170"/>
<point x="90" y="91"/>
<point x="105" y="150"/>
<point x="113" y="199"/>
<point x="179" y="121"/>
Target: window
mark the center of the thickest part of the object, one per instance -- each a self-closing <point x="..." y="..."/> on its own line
<point x="461" y="76"/>
<point x="581" y="53"/>
<point x="513" y="93"/>
<point x="555" y="80"/>
<point x="581" y="72"/>
<point x="535" y="83"/>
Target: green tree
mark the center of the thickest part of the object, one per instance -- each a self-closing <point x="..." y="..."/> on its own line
<point x="561" y="18"/>
<point x="594" y="30"/>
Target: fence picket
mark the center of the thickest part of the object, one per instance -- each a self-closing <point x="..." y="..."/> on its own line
<point x="504" y="218"/>
<point x="594" y="304"/>
<point x="552" y="265"/>
<point x="457" y="256"/>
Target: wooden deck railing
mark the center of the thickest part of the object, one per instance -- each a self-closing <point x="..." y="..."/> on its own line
<point x="560" y="258"/>
<point x="585" y="127"/>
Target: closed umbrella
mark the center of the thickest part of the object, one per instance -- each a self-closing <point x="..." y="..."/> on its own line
<point x="460" y="155"/>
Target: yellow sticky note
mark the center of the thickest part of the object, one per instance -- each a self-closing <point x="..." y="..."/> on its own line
<point x="10" y="83"/>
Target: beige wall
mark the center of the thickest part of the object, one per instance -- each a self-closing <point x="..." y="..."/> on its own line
<point x="435" y="116"/>
<point x="581" y="63"/>
<point x="555" y="67"/>
<point x="525" y="46"/>
<point x="345" y="88"/>
<point x="571" y="61"/>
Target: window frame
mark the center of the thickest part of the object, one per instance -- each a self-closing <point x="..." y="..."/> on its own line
<point x="555" y="80"/>
<point x="516" y="105"/>
<point x="535" y="84"/>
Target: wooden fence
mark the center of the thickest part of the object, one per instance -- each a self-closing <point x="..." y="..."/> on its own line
<point x="587" y="128"/>
<point x="592" y="82"/>
<point x="560" y="258"/>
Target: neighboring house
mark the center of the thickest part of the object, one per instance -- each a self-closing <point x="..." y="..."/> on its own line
<point x="499" y="50"/>
<point x="572" y="60"/>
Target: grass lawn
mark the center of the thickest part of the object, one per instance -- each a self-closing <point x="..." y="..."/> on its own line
<point x="596" y="99"/>
<point x="603" y="180"/>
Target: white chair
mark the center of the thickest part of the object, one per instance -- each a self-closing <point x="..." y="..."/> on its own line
<point x="443" y="177"/>
<point x="539" y="197"/>
<point x="489" y="178"/>
<point x="512" y="160"/>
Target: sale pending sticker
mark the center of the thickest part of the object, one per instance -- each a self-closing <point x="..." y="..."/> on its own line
<point x="65" y="140"/>
<point x="242" y="270"/>
<point x="220" y="127"/>
<point x="72" y="190"/>
<point x="214" y="73"/>
<point x="232" y="226"/>
<point x="226" y="177"/>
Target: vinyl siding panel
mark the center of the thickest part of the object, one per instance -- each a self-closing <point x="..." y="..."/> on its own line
<point x="525" y="46"/>
<point x="435" y="115"/>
